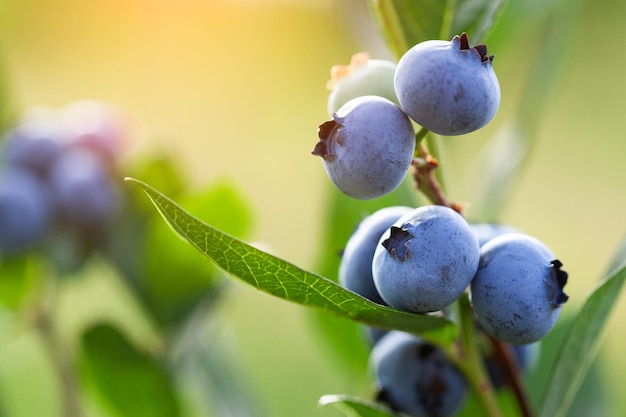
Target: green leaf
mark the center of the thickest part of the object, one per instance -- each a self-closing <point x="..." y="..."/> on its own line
<point x="356" y="407"/>
<point x="405" y="23"/>
<point x="176" y="279"/>
<point x="582" y="342"/>
<point x="285" y="280"/>
<point x="129" y="382"/>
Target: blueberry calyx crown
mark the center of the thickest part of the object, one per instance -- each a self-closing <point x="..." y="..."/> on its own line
<point x="560" y="277"/>
<point x="328" y="132"/>
<point x="481" y="49"/>
<point x="397" y="243"/>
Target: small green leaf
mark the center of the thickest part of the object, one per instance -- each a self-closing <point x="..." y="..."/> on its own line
<point x="285" y="280"/>
<point x="582" y="342"/>
<point x="127" y="381"/>
<point x="356" y="407"/>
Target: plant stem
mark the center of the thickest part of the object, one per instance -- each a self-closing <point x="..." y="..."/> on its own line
<point x="505" y="357"/>
<point x="424" y="166"/>
<point x="469" y="360"/>
<point x="58" y="355"/>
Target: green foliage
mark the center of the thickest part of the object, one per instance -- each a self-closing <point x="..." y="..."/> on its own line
<point x="405" y="23"/>
<point x="356" y="407"/>
<point x="127" y="381"/>
<point x="581" y="344"/>
<point x="285" y="280"/>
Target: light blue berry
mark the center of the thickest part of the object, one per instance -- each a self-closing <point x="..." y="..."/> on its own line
<point x="83" y="192"/>
<point x="35" y="141"/>
<point x="484" y="232"/>
<point x="415" y="377"/>
<point x="426" y="260"/>
<point x="25" y="210"/>
<point x="355" y="270"/>
<point x="367" y="148"/>
<point x="518" y="290"/>
<point x="448" y="87"/>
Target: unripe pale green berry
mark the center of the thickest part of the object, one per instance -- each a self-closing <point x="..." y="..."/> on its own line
<point x="362" y="77"/>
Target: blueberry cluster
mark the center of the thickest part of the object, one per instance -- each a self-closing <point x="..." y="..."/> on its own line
<point x="421" y="260"/>
<point x="57" y="173"/>
<point x="446" y="87"/>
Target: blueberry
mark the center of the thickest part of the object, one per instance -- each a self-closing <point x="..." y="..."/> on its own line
<point x="415" y="377"/>
<point x="426" y="260"/>
<point x="355" y="270"/>
<point x="484" y="232"/>
<point x="35" y="141"/>
<point x="363" y="77"/>
<point x="448" y="87"/>
<point x="518" y="290"/>
<point x="25" y="210"/>
<point x="367" y="147"/>
<point x="82" y="189"/>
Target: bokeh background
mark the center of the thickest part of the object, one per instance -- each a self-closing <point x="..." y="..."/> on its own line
<point x="236" y="89"/>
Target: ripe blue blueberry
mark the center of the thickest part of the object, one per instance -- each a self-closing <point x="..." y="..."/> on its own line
<point x="367" y="147"/>
<point x="426" y="260"/>
<point x="484" y="232"/>
<point x="448" y="87"/>
<point x="355" y="270"/>
<point x="518" y="290"/>
<point x="415" y="377"/>
<point x="82" y="189"/>
<point x="35" y="141"/>
<point x="25" y="210"/>
<point x="363" y="77"/>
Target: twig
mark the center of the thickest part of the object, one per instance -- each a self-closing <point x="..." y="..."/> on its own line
<point x="424" y="166"/>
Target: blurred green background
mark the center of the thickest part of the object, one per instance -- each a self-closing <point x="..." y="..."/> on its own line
<point x="236" y="89"/>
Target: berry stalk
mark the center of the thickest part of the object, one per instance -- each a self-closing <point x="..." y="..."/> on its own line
<point x="468" y="359"/>
<point x="424" y="173"/>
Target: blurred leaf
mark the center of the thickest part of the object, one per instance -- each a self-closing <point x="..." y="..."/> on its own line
<point x="405" y="23"/>
<point x="582" y="342"/>
<point x="591" y="399"/>
<point x="356" y="407"/>
<point x="285" y="280"/>
<point x="343" y="214"/>
<point x="502" y="160"/>
<point x="127" y="381"/>
<point x="166" y="274"/>
<point x="20" y="277"/>
<point x="210" y="369"/>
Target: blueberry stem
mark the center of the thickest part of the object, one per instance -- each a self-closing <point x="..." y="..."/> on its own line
<point x="424" y="166"/>
<point x="468" y="359"/>
<point x="505" y="357"/>
<point x="44" y="323"/>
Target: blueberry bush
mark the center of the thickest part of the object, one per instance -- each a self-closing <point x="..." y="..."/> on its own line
<point x="451" y="312"/>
